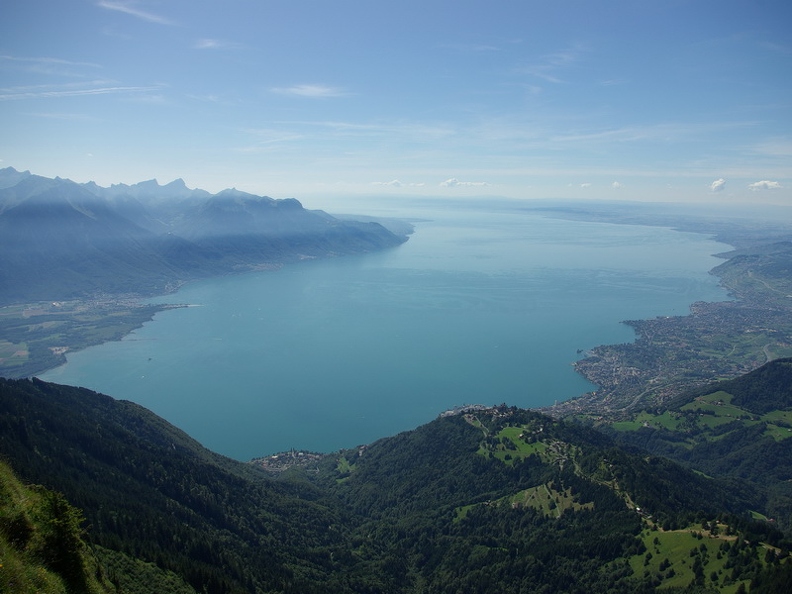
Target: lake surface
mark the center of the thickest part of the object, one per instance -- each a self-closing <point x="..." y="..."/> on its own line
<point x="479" y="306"/>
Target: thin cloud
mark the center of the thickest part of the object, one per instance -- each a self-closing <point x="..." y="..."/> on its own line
<point x="47" y="66"/>
<point x="318" y="91"/>
<point x="217" y="44"/>
<point x="395" y="183"/>
<point x="662" y="133"/>
<point x="455" y="183"/>
<point x="46" y="61"/>
<point x="550" y="64"/>
<point x="408" y="130"/>
<point x="616" y="185"/>
<point x="149" y="98"/>
<point x="778" y="48"/>
<point x="75" y="117"/>
<point x="471" y="48"/>
<point x="270" y="136"/>
<point x="128" y="7"/>
<point x="718" y="185"/>
<point x="780" y="147"/>
<point x="16" y="94"/>
<point x="765" y="185"/>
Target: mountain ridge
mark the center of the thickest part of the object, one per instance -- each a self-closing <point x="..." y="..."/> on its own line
<point x="63" y="240"/>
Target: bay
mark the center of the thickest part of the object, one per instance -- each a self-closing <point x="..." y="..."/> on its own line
<point x="481" y="305"/>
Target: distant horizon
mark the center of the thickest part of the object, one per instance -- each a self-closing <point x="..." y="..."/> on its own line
<point x="663" y="102"/>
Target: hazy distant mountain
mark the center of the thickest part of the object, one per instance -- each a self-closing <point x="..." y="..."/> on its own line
<point x="151" y="189"/>
<point x="11" y="177"/>
<point x="60" y="239"/>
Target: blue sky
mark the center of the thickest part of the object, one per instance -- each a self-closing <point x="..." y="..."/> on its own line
<point x="630" y="100"/>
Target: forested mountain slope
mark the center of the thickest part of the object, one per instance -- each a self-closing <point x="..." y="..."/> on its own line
<point x="43" y="549"/>
<point x="521" y="503"/>
<point x="490" y="499"/>
<point x="741" y="428"/>
<point x="149" y="490"/>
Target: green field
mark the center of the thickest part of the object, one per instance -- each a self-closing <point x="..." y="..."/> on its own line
<point x="667" y="420"/>
<point x="544" y="498"/>
<point x="707" y="554"/>
<point x="35" y="336"/>
<point x="705" y="415"/>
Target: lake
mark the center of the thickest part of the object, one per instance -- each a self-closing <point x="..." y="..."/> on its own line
<point x="482" y="305"/>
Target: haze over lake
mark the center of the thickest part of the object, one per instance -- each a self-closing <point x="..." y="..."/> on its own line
<point x="482" y="305"/>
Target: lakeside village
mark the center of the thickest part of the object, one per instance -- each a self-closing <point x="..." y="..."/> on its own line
<point x="283" y="461"/>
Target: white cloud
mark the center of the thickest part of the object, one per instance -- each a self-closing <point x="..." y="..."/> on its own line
<point x="208" y="44"/>
<point x="585" y="185"/>
<point x="215" y="44"/>
<point x="718" y="185"/>
<point x="310" y="91"/>
<point x="765" y="185"/>
<point x="454" y="182"/>
<point x="128" y="7"/>
<point x="395" y="183"/>
<point x="616" y="185"/>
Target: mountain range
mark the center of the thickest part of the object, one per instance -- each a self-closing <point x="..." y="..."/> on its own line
<point x="64" y="240"/>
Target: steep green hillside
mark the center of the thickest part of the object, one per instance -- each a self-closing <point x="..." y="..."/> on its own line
<point x="41" y="546"/>
<point x="505" y="500"/>
<point x="486" y="499"/>
<point x="43" y="549"/>
<point x="150" y="491"/>
<point x="740" y="428"/>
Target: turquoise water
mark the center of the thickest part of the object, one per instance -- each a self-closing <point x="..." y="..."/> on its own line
<point x="477" y="307"/>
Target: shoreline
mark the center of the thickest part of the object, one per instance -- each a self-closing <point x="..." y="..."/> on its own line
<point x="54" y="329"/>
<point x="674" y="354"/>
<point x="627" y="376"/>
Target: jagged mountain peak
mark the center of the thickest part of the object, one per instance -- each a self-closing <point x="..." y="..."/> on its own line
<point x="152" y="189"/>
<point x="10" y="177"/>
<point x="233" y="193"/>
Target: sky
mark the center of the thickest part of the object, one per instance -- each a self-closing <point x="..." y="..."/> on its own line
<point x="657" y="100"/>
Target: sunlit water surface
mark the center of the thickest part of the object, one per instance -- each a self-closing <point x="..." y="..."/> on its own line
<point x="479" y="306"/>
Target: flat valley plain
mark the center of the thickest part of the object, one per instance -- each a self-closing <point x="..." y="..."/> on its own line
<point x="35" y="337"/>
